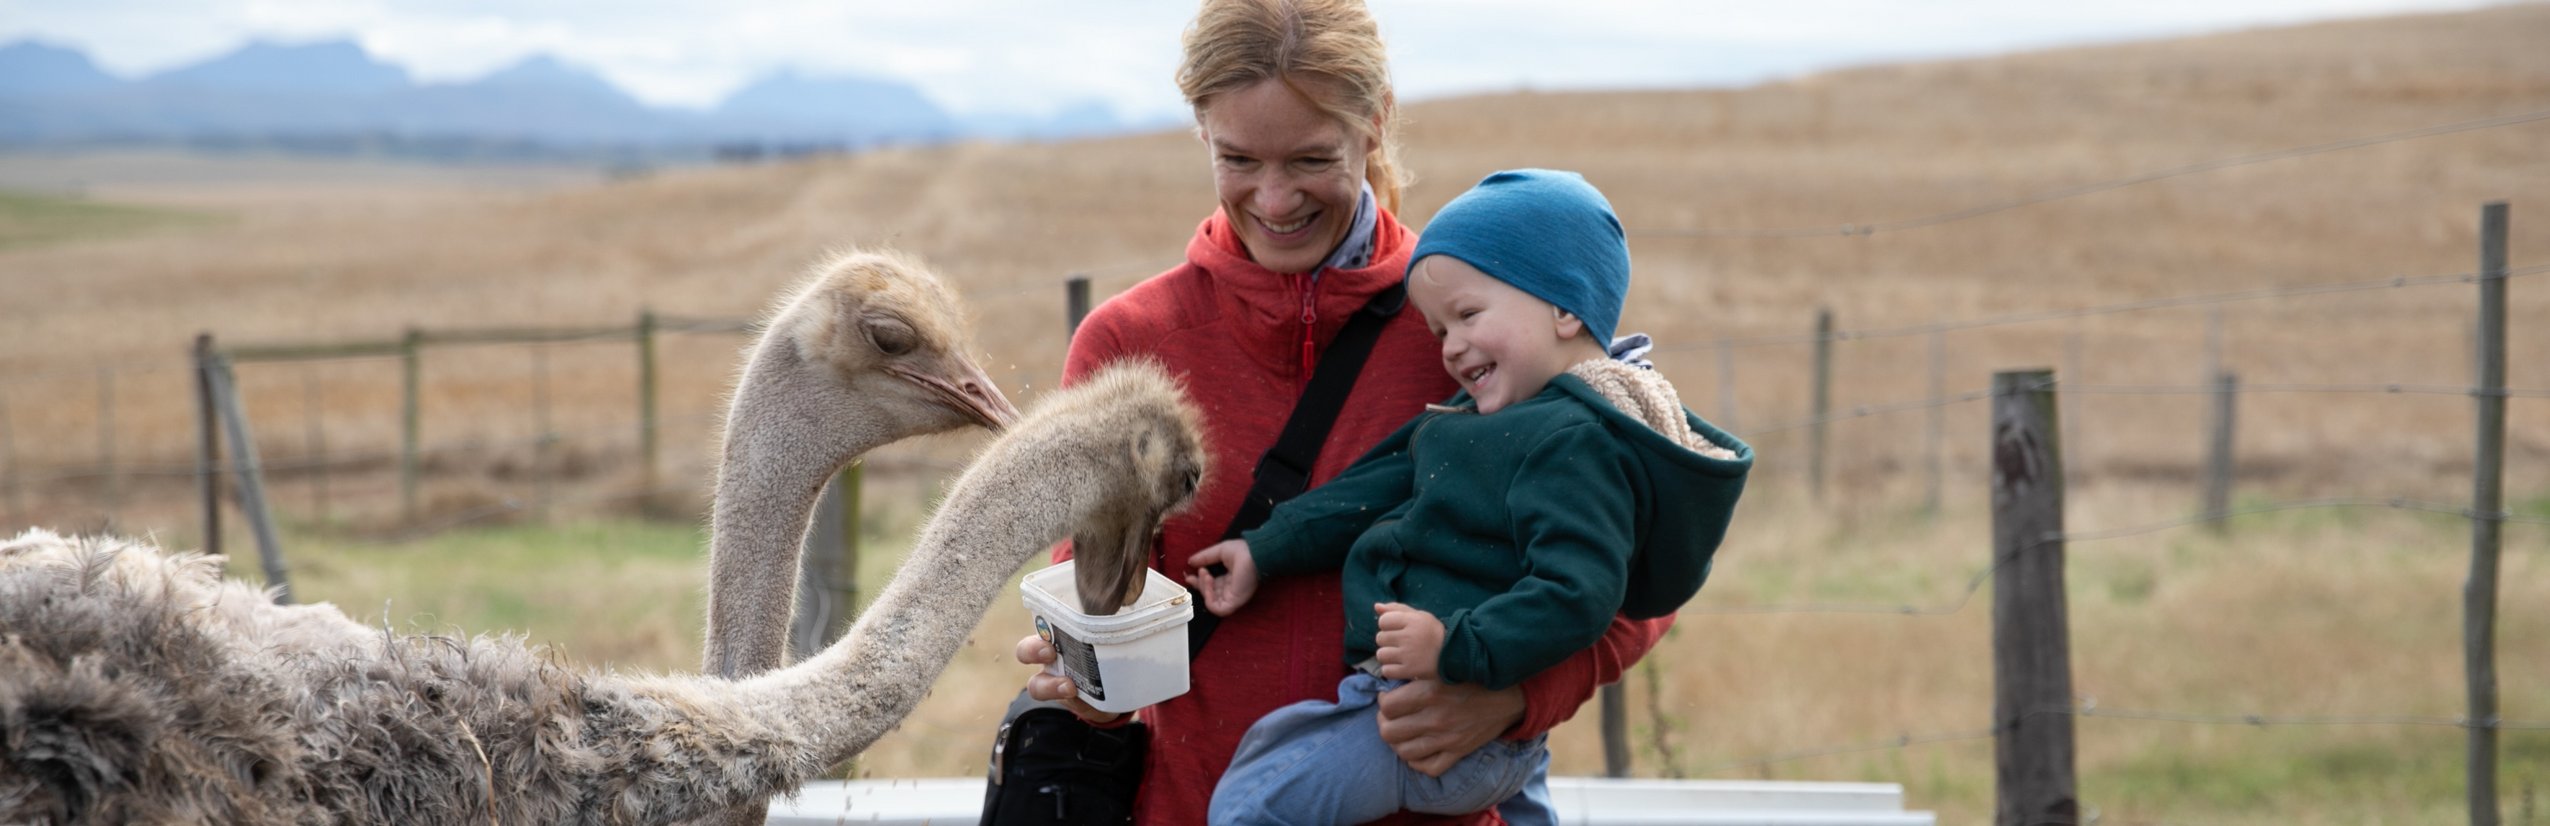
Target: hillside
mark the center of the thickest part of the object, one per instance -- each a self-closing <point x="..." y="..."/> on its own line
<point x="1853" y="147"/>
<point x="2306" y="614"/>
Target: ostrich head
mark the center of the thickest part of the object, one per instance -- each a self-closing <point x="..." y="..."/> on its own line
<point x="876" y="330"/>
<point x="1164" y="462"/>
<point x="870" y="350"/>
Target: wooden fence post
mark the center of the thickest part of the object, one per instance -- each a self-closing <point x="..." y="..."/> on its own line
<point x="2072" y="370"/>
<point x="1822" y="405"/>
<point x="1932" y="465"/>
<point x="1076" y="302"/>
<point x="408" y="348"/>
<point x="2218" y="453"/>
<point x="1726" y="386"/>
<point x="646" y="401"/>
<point x="828" y="577"/>
<point x="252" y="494"/>
<point x="316" y="442"/>
<point x="2031" y="648"/>
<point x="207" y="443"/>
<point x="1615" y="731"/>
<point x="106" y="444"/>
<point x="845" y="575"/>
<point x="2487" y="504"/>
<point x="9" y="469"/>
<point x="545" y="488"/>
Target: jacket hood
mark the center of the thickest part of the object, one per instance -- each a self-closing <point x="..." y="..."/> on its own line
<point x="1690" y="498"/>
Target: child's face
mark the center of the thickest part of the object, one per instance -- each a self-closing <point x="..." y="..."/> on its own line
<point x="1502" y="344"/>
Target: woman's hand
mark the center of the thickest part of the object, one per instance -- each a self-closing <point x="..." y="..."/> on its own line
<point x="1226" y="593"/>
<point x="1433" y="724"/>
<point x="1051" y="685"/>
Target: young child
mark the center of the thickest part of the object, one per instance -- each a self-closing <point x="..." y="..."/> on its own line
<point x="1495" y="535"/>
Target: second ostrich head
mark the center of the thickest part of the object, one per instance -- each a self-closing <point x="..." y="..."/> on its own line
<point x="871" y="349"/>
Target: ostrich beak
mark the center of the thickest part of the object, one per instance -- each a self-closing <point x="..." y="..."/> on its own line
<point x="1110" y="570"/>
<point x="964" y="387"/>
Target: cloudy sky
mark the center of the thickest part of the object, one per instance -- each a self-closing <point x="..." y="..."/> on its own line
<point x="1037" y="55"/>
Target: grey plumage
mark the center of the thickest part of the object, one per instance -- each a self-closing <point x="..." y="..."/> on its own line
<point x="136" y="686"/>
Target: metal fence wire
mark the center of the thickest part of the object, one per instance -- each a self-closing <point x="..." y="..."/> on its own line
<point x="119" y="480"/>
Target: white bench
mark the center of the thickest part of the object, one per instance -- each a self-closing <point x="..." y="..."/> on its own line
<point x="1581" y="801"/>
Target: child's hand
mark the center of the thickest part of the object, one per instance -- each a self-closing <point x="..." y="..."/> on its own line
<point x="1226" y="593"/>
<point x="1411" y="642"/>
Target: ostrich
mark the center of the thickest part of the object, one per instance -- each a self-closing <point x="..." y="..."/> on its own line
<point x="137" y="686"/>
<point x="869" y="352"/>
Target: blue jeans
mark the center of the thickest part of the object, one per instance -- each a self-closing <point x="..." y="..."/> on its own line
<point x="1316" y="762"/>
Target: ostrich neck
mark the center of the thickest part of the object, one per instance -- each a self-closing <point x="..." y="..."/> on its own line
<point x="784" y="439"/>
<point x="842" y="700"/>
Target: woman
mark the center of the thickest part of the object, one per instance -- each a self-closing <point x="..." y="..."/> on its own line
<point x="1292" y="100"/>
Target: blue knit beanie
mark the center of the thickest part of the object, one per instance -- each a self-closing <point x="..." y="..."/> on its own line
<point x="1548" y="233"/>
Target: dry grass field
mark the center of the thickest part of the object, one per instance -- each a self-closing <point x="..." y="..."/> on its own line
<point x="2320" y="613"/>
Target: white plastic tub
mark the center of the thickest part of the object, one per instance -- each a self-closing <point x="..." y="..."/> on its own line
<point x="1123" y="661"/>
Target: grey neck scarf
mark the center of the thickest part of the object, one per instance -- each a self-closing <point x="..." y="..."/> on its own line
<point x="1355" y="252"/>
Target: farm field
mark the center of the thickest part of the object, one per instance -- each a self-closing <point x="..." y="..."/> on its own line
<point x="1736" y="201"/>
<point x="2291" y="616"/>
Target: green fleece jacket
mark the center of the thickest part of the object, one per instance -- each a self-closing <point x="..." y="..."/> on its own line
<point x="1523" y="531"/>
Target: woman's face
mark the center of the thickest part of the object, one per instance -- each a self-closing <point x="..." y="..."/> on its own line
<point x="1287" y="173"/>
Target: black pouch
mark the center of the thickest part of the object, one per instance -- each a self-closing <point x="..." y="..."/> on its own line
<point x="1048" y="767"/>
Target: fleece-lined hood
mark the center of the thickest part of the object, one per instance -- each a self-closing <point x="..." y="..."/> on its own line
<point x="1693" y="477"/>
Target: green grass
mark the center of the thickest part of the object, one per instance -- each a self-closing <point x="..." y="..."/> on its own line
<point x="629" y="594"/>
<point x="30" y="219"/>
<point x="2337" y="775"/>
<point x="620" y="593"/>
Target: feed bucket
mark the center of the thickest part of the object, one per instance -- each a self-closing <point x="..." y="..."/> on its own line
<point x="1122" y="661"/>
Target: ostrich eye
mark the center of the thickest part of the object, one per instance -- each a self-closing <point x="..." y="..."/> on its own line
<point x="892" y="337"/>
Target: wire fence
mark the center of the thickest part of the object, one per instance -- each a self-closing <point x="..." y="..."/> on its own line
<point x="524" y="500"/>
<point x="99" y="489"/>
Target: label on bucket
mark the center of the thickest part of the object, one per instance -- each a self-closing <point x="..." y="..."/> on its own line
<point x="1079" y="659"/>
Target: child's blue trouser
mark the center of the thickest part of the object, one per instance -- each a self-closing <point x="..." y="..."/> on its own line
<point x="1316" y="762"/>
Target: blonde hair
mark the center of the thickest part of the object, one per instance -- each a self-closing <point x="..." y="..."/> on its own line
<point x="1327" y="51"/>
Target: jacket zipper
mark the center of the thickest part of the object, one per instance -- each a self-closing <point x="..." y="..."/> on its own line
<point x="1310" y="321"/>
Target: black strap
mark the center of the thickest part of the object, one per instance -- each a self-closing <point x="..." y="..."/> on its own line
<point x="1284" y="472"/>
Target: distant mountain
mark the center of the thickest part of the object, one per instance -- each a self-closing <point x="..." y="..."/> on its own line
<point x="335" y="96"/>
<point x="1083" y="119"/>
<point x="539" y="99"/>
<point x="334" y="67"/>
<point x="31" y="68"/>
<point x="1088" y="117"/>
<point x="789" y="106"/>
<point x="545" y="74"/>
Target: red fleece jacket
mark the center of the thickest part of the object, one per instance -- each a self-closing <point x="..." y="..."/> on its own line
<point x="1243" y="338"/>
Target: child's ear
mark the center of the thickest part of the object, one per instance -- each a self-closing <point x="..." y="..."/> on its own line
<point x="1569" y="326"/>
